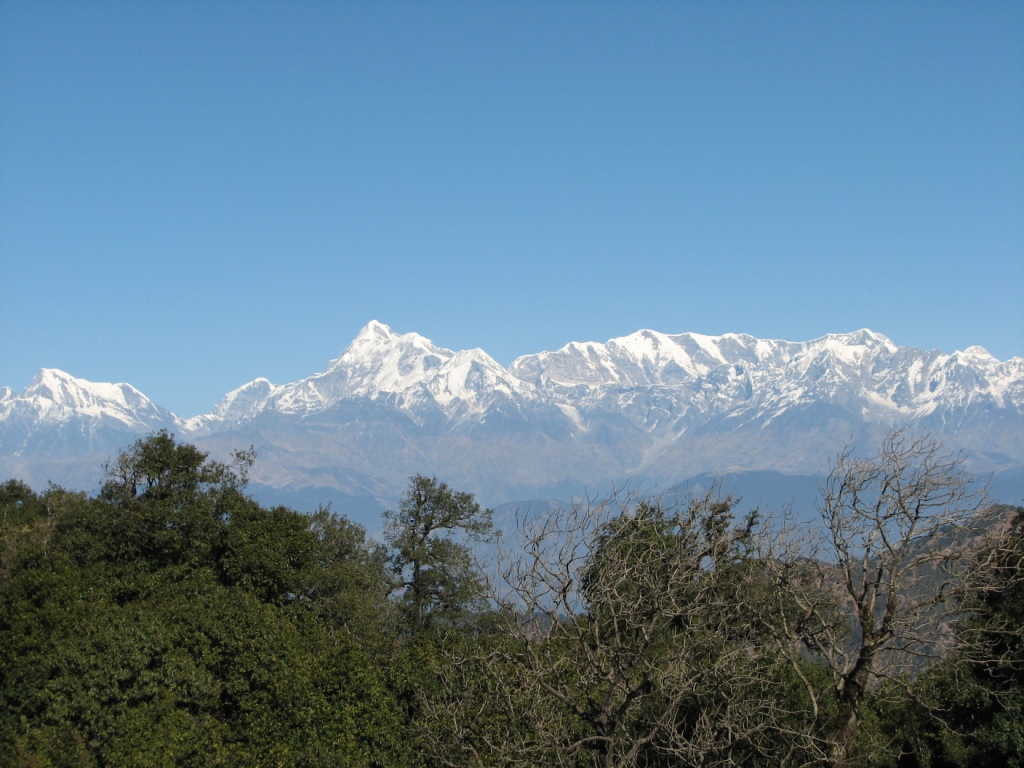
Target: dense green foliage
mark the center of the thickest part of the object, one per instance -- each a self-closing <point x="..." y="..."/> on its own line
<point x="174" y="621"/>
<point x="435" y="576"/>
<point x="171" y="620"/>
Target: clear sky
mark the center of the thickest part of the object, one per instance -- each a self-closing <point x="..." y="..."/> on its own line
<point x="194" y="194"/>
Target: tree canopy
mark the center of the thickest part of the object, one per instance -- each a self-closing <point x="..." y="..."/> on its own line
<point x="171" y="620"/>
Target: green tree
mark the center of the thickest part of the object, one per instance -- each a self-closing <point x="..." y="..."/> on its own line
<point x="159" y="468"/>
<point x="350" y="580"/>
<point x="166" y="502"/>
<point x="435" y="573"/>
<point x="173" y="621"/>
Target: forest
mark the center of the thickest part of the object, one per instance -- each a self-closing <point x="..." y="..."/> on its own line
<point x="171" y="620"/>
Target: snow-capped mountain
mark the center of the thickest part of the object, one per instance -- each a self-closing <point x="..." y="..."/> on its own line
<point x="770" y="376"/>
<point x="62" y="429"/>
<point x="77" y="408"/>
<point x="646" y="406"/>
<point x="406" y="370"/>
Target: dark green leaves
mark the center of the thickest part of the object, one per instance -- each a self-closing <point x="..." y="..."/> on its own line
<point x="436" y="576"/>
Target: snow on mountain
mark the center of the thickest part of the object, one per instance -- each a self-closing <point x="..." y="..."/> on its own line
<point x="648" y="358"/>
<point x="652" y="405"/>
<point x="406" y="370"/>
<point x="643" y="358"/>
<point x="55" y="397"/>
<point x="236" y="406"/>
<point x="765" y="377"/>
<point x="62" y="429"/>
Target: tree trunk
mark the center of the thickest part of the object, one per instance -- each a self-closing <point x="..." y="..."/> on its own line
<point x="848" y="716"/>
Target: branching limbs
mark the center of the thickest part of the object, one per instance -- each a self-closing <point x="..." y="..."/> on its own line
<point x="627" y="640"/>
<point x="867" y="592"/>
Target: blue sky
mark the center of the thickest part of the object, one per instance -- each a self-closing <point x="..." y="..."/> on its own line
<point x="195" y="194"/>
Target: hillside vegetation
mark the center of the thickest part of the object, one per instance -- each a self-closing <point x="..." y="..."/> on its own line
<point x="170" y="620"/>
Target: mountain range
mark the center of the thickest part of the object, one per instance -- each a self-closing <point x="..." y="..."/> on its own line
<point x="649" y="407"/>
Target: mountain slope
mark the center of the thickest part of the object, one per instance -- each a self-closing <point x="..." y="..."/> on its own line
<point x="647" y="406"/>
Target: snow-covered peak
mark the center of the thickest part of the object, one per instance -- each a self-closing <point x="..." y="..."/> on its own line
<point x="374" y="332"/>
<point x="380" y="359"/>
<point x="682" y="374"/>
<point x="247" y="396"/>
<point x="56" y="396"/>
<point x="842" y="351"/>
<point x="862" y="370"/>
<point x="976" y="354"/>
<point x="650" y="358"/>
<point x="376" y="341"/>
<point x="640" y="359"/>
<point x="59" y="390"/>
<point x="236" y="406"/>
<point x="865" y="337"/>
<point x="406" y="368"/>
<point x="645" y="404"/>
<point x="851" y="348"/>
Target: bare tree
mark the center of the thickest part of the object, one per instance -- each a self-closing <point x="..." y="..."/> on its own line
<point x="626" y="642"/>
<point x="867" y="591"/>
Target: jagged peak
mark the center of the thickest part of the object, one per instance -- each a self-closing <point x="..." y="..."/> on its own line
<point x="575" y="346"/>
<point x="379" y="360"/>
<point x="55" y="395"/>
<point x="259" y="383"/>
<point x="48" y="375"/>
<point x="638" y="340"/>
<point x="56" y="384"/>
<point x="476" y="354"/>
<point x="863" y="337"/>
<point x="245" y="399"/>
<point x="382" y="360"/>
<point x="975" y="352"/>
<point x="375" y="331"/>
<point x="647" y="338"/>
<point x="641" y="338"/>
<point x="376" y="338"/>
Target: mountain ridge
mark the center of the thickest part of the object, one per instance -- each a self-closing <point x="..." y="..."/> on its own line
<point x="658" y="407"/>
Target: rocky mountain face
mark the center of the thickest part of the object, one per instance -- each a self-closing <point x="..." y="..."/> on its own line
<point x="646" y="407"/>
